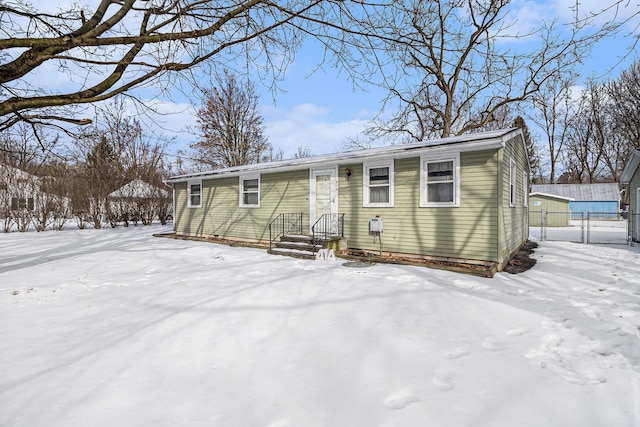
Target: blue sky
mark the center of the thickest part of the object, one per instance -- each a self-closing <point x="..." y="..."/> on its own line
<point x="321" y="110"/>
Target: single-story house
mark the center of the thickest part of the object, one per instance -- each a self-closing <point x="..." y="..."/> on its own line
<point x="556" y="206"/>
<point x="601" y="198"/>
<point x="631" y="179"/>
<point x="460" y="199"/>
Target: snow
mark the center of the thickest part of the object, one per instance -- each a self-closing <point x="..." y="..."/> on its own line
<point x="119" y="328"/>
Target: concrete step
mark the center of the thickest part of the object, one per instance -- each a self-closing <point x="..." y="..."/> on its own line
<point x="295" y="253"/>
<point x="302" y="246"/>
<point x="296" y="238"/>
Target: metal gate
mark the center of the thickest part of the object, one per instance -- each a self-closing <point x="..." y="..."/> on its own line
<point x="583" y="227"/>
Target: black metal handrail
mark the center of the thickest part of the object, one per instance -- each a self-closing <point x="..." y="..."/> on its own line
<point x="328" y="225"/>
<point x="283" y="224"/>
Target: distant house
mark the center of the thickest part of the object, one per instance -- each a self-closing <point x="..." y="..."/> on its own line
<point x="139" y="200"/>
<point x="18" y="189"/>
<point x="595" y="198"/>
<point x="460" y="199"/>
<point x="631" y="179"/>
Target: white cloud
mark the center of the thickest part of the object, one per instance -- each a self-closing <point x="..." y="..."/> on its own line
<point x="308" y="125"/>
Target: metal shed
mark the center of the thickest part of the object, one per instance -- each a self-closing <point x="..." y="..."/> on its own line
<point x="557" y="206"/>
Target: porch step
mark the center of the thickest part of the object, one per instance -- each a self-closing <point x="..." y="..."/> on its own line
<point x="294" y="253"/>
<point x="298" y="246"/>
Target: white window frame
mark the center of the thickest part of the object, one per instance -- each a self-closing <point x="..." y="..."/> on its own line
<point x="189" y="184"/>
<point x="241" y="191"/>
<point x="525" y="189"/>
<point x="513" y="182"/>
<point x="424" y="179"/>
<point x="366" y="184"/>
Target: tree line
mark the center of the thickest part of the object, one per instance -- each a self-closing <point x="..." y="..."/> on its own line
<point x="590" y="131"/>
<point x="45" y="184"/>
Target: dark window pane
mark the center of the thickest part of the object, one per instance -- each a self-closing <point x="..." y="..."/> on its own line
<point x="440" y="193"/>
<point x="442" y="171"/>
<point x="378" y="176"/>
<point x="250" y="185"/>
<point x="251" y="198"/>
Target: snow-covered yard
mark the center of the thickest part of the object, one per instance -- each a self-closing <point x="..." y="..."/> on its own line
<point x="119" y="328"/>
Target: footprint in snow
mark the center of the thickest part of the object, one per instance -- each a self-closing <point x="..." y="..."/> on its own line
<point x="515" y="332"/>
<point x="455" y="354"/>
<point x="442" y="381"/>
<point x="588" y="378"/>
<point x="400" y="400"/>
<point x="492" y="344"/>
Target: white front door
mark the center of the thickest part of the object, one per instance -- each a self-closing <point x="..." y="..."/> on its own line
<point x="323" y="198"/>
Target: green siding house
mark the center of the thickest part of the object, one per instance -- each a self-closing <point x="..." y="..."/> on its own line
<point x="461" y="199"/>
<point x="631" y="179"/>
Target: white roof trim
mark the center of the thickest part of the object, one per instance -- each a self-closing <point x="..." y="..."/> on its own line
<point x="463" y="143"/>
<point x="553" y="196"/>
<point x="631" y="167"/>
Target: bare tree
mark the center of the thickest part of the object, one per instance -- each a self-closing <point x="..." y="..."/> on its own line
<point x="553" y="109"/>
<point x="452" y="68"/>
<point x="106" y="47"/>
<point x="230" y="126"/>
<point x="113" y="153"/>
<point x="532" y="149"/>
<point x="596" y="148"/>
<point x="588" y="137"/>
<point x="302" y="152"/>
<point x="625" y="95"/>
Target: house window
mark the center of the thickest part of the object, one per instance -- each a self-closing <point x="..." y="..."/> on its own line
<point x="250" y="191"/>
<point x="378" y="185"/>
<point x="512" y="183"/>
<point x="525" y="189"/>
<point x="194" y="194"/>
<point x="22" y="203"/>
<point x="440" y="181"/>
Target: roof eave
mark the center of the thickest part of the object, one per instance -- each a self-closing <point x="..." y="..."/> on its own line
<point x="631" y="167"/>
<point x="471" y="143"/>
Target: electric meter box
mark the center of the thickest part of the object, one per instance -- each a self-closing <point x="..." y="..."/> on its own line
<point x="376" y="225"/>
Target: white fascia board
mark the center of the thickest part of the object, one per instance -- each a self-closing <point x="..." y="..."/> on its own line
<point x="631" y="167"/>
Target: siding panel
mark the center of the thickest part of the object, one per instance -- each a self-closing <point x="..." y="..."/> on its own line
<point x="468" y="231"/>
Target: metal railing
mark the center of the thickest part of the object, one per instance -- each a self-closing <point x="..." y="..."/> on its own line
<point x="328" y="225"/>
<point x="285" y="223"/>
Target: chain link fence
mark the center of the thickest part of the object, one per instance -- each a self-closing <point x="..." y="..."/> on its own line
<point x="634" y="227"/>
<point x="584" y="227"/>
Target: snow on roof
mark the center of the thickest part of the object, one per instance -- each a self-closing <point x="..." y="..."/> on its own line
<point x="140" y="189"/>
<point x="475" y="141"/>
<point x="9" y="173"/>
<point x="580" y="192"/>
<point x="553" y="196"/>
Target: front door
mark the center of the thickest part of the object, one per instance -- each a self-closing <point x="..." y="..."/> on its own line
<point x="324" y="200"/>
